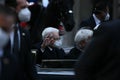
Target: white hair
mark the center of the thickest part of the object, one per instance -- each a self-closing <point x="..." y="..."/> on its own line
<point x="49" y="30"/>
<point x="83" y="34"/>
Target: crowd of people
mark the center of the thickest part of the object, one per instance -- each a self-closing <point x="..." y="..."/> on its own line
<point x="96" y="44"/>
<point x="16" y="59"/>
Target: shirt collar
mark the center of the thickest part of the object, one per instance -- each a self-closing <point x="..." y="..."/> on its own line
<point x="97" y="21"/>
<point x="50" y="48"/>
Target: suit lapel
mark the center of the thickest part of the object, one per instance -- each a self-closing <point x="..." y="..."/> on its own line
<point x="22" y="35"/>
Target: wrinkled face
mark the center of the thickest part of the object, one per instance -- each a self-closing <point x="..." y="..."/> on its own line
<point x="82" y="44"/>
<point x="21" y="4"/>
<point x="55" y="36"/>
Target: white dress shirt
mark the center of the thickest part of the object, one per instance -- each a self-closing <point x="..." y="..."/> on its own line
<point x="97" y="21"/>
<point x="12" y="38"/>
<point x="43" y="50"/>
<point x="45" y="3"/>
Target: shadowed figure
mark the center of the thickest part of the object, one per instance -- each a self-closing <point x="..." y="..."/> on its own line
<point x="57" y="11"/>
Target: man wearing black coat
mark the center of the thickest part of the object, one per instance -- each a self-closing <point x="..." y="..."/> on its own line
<point x="100" y="14"/>
<point x="8" y="63"/>
<point x="53" y="53"/>
<point x="10" y="66"/>
<point x="50" y="48"/>
<point x="101" y="59"/>
<point x="81" y="39"/>
<point x="21" y="42"/>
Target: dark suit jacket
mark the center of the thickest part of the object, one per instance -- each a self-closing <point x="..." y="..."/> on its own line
<point x="9" y="65"/>
<point x="48" y="54"/>
<point x="27" y="69"/>
<point x="74" y="53"/>
<point x="88" y="23"/>
<point x="54" y="54"/>
<point x="101" y="59"/>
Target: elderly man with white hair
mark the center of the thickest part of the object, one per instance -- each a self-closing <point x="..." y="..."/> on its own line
<point x="81" y="40"/>
<point x="50" y="48"/>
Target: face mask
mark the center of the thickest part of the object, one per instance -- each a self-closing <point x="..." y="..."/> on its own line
<point x="107" y="17"/>
<point x="58" y="43"/>
<point x="4" y="38"/>
<point x="45" y="3"/>
<point x="24" y="15"/>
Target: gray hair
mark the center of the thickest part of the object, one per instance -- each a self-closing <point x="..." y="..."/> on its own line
<point x="83" y="34"/>
<point x="49" y="30"/>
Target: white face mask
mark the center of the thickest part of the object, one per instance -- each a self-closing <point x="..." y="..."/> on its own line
<point x="45" y="3"/>
<point x="24" y="15"/>
<point x="4" y="38"/>
<point x="58" y="43"/>
<point x="107" y="17"/>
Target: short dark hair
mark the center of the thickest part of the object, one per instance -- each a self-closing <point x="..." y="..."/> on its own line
<point x="2" y="8"/>
<point x="100" y="6"/>
<point x="11" y="3"/>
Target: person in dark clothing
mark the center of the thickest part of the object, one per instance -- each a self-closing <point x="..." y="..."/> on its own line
<point x="74" y="53"/>
<point x="8" y="64"/>
<point x="100" y="14"/>
<point x="21" y="43"/>
<point x="50" y="47"/>
<point x="101" y="58"/>
<point x="81" y="40"/>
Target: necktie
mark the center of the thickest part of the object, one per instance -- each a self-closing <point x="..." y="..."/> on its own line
<point x="16" y="41"/>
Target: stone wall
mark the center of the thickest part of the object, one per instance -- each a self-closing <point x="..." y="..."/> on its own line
<point x="116" y="9"/>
